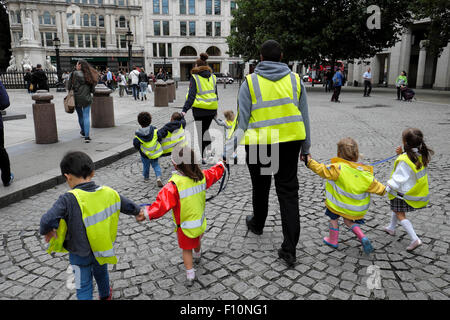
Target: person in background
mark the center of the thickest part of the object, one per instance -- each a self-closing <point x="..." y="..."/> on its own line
<point x="367" y="76"/>
<point x="7" y="176"/>
<point x="143" y="84"/>
<point x="27" y="80"/>
<point x="39" y="79"/>
<point x="337" y="84"/>
<point x="134" y="76"/>
<point x="401" y="81"/>
<point x="122" y="83"/>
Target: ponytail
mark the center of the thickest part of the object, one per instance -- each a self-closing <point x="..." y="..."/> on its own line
<point x="413" y="138"/>
<point x="426" y="154"/>
<point x="184" y="159"/>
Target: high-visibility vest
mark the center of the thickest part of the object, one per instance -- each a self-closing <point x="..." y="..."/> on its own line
<point x="275" y="116"/>
<point x="100" y="213"/>
<point x="418" y="196"/>
<point x="192" y="205"/>
<point x="152" y="149"/>
<point x="206" y="97"/>
<point x="348" y="195"/>
<point x="172" y="139"/>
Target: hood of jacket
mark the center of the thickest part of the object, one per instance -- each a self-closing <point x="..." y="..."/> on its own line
<point x="203" y="71"/>
<point x="273" y="71"/>
<point x="175" y="125"/>
<point x="145" y="134"/>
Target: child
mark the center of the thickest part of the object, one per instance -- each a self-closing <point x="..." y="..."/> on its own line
<point x="86" y="220"/>
<point x="408" y="185"/>
<point x="347" y="191"/>
<point x="229" y="118"/>
<point x="172" y="133"/>
<point x="185" y="195"/>
<point x="146" y="141"/>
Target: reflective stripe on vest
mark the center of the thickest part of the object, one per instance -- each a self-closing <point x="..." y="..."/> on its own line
<point x="152" y="149"/>
<point x="275" y="116"/>
<point x="418" y="196"/>
<point x="172" y="139"/>
<point x="206" y="97"/>
<point x="192" y="205"/>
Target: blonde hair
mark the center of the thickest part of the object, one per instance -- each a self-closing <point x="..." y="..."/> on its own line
<point x="347" y="149"/>
<point x="229" y="115"/>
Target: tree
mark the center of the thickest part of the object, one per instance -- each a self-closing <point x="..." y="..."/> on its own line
<point x="314" y="30"/>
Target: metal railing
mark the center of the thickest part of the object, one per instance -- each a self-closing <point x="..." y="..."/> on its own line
<point x="15" y="79"/>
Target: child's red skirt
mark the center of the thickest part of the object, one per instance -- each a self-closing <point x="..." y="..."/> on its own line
<point x="186" y="243"/>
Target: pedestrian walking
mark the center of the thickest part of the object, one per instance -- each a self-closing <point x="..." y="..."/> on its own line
<point x="337" y="85"/>
<point x="408" y="185"/>
<point x="185" y="195"/>
<point x="39" y="79"/>
<point x="134" y="77"/>
<point x="401" y="81"/>
<point x="83" y="81"/>
<point x="109" y="79"/>
<point x="143" y="84"/>
<point x="146" y="141"/>
<point x="348" y="188"/>
<point x="27" y="80"/>
<point x="84" y="223"/>
<point x="273" y="124"/>
<point x="122" y="83"/>
<point x="203" y="99"/>
<point x="172" y="134"/>
<point x="7" y="176"/>
<point x="367" y="76"/>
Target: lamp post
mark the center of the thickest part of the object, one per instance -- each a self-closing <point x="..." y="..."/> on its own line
<point x="60" y="85"/>
<point x="129" y="39"/>
<point x="165" y="72"/>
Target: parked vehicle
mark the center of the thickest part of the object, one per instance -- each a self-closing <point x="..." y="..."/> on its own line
<point x="221" y="78"/>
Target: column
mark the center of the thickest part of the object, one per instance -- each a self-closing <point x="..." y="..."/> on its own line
<point x="35" y="18"/>
<point x="442" y="79"/>
<point x="350" y="73"/>
<point x="375" y="69"/>
<point x="421" y="64"/>
<point x="405" y="51"/>
<point x="65" y="37"/>
<point x="108" y="27"/>
<point x="113" y="31"/>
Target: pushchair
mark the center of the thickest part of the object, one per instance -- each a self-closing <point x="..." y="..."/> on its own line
<point x="408" y="94"/>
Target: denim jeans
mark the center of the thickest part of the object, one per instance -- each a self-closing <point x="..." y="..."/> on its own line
<point x="84" y="119"/>
<point x="135" y="90"/>
<point x="146" y="162"/>
<point x="143" y="86"/>
<point x="84" y="269"/>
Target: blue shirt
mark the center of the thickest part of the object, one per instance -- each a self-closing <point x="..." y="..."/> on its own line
<point x="337" y="79"/>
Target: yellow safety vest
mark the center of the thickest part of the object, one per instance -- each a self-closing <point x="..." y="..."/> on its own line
<point x="275" y="116"/>
<point x="172" y="139"/>
<point x="348" y="196"/>
<point x="418" y="196"/>
<point x="152" y="149"/>
<point x="100" y="213"/>
<point x="192" y="205"/>
<point x="206" y="97"/>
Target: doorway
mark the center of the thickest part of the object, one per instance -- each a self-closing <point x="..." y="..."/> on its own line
<point x="185" y="71"/>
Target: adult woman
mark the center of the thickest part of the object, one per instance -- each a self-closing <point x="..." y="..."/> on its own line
<point x="143" y="84"/>
<point x="83" y="81"/>
<point x="203" y="100"/>
<point x="401" y="81"/>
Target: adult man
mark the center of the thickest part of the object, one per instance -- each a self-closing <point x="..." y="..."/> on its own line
<point x="39" y="79"/>
<point x="7" y="176"/>
<point x="273" y="117"/>
<point x="338" y="82"/>
<point x="109" y="79"/>
<point x="134" y="76"/>
<point x="367" y="76"/>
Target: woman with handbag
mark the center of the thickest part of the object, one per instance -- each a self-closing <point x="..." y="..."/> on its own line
<point x="83" y="81"/>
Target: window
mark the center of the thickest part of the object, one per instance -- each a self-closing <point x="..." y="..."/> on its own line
<point x="92" y="1"/>
<point x="165" y="6"/>
<point x="85" y="1"/>
<point x="156" y="7"/>
<point x="208" y="6"/>
<point x="155" y="50"/>
<point x="71" y="40"/>
<point x="191" y="6"/>
<point x="102" y="40"/>
<point x="100" y="1"/>
<point x="123" y="41"/>
<point x="122" y="22"/>
<point x="47" y="18"/>
<point x="188" y="51"/>
<point x="166" y="31"/>
<point x="232" y="6"/>
<point x="191" y="28"/>
<point x="48" y="39"/>
<point x="80" y="41"/>
<point x="12" y="16"/>
<point x="19" y="18"/>
<point x="93" y="20"/>
<point x="94" y="41"/>
<point x="162" y="49"/>
<point x="217" y="28"/>
<point x="157" y="28"/>
<point x="121" y="2"/>
<point x="208" y="28"/>
<point x="217" y="8"/>
<point x="101" y="21"/>
<point x="213" y="51"/>
<point x="169" y="49"/>
<point x="86" y="20"/>
<point x="87" y="40"/>
<point x="182" y="6"/>
<point x="42" y="39"/>
<point x="183" y="27"/>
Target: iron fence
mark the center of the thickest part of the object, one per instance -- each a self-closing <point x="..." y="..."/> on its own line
<point x="15" y="79"/>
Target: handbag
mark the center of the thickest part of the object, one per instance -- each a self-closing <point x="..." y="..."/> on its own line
<point x="69" y="101"/>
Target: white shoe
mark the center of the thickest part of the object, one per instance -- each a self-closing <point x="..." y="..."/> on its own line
<point x="414" y="245"/>
<point x="159" y="183"/>
<point x="391" y="232"/>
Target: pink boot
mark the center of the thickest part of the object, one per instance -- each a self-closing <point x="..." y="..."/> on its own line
<point x="332" y="240"/>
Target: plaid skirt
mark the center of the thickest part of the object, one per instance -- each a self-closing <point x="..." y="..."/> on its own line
<point x="400" y="205"/>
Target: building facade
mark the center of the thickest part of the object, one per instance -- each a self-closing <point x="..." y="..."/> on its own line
<point x="93" y="30"/>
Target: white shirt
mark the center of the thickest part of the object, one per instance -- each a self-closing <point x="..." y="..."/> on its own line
<point x="367" y="75"/>
<point x="134" y="75"/>
<point x="403" y="178"/>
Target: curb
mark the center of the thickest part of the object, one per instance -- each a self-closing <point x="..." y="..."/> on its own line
<point x="28" y="187"/>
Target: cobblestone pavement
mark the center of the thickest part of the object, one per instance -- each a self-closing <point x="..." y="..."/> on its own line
<point x="239" y="266"/>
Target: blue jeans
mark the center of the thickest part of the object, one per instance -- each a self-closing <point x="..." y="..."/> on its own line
<point x="84" y="268"/>
<point x="146" y="162"/>
<point x="143" y="86"/>
<point x="84" y="119"/>
<point x="135" y="90"/>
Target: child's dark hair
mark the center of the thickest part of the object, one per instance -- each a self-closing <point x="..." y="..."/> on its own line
<point x="186" y="162"/>
<point x="77" y="163"/>
<point x="176" y="116"/>
<point x="413" y="138"/>
<point x="144" y="119"/>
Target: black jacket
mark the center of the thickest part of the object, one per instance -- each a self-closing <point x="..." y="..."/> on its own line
<point x="4" y="102"/>
<point x="67" y="208"/>
<point x="143" y="77"/>
<point x="39" y="80"/>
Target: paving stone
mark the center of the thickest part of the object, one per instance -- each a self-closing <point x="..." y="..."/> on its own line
<point x="322" y="288"/>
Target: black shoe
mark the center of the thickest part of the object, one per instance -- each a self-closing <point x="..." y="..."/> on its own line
<point x="142" y="99"/>
<point x="145" y="97"/>
<point x="87" y="139"/>
<point x="289" y="258"/>
<point x="251" y="227"/>
<point x="82" y="133"/>
<point x="11" y="179"/>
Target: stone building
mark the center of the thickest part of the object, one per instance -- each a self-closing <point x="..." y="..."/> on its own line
<point x="93" y="30"/>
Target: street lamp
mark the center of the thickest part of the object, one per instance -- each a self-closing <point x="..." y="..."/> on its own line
<point x="164" y="69"/>
<point x="59" y="86"/>
<point x="129" y="39"/>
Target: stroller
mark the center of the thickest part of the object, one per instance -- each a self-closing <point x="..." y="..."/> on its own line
<point x="408" y="94"/>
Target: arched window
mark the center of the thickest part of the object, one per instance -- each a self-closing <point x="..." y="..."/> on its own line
<point x="213" y="51"/>
<point x="122" y="22"/>
<point x="101" y="21"/>
<point x="93" y="20"/>
<point x="86" y="20"/>
<point x="47" y="18"/>
<point x="188" y="51"/>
